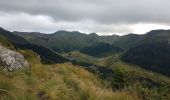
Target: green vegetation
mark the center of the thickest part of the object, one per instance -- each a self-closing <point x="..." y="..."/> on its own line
<point x="101" y="50"/>
<point x="11" y="40"/>
<point x="87" y="77"/>
<point x="47" y="56"/>
<point x="52" y="82"/>
<point x="64" y="41"/>
<point x="76" y="55"/>
<point x="147" y="85"/>
<point x="61" y="41"/>
<point x="153" y="56"/>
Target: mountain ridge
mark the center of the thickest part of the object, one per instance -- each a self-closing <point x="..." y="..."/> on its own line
<point x="74" y="40"/>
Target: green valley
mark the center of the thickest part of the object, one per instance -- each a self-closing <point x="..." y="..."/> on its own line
<point x="75" y="66"/>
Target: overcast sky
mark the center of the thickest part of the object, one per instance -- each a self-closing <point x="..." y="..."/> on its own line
<point x="101" y="16"/>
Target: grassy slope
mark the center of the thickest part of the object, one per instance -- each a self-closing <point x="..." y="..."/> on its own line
<point x="61" y="81"/>
<point x="80" y="56"/>
<point x="114" y="61"/>
<point x="54" y="82"/>
<point x="148" y="85"/>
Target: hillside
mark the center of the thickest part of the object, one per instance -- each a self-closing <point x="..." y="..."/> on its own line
<point x="126" y="76"/>
<point x="67" y="82"/>
<point x="52" y="82"/>
<point x="58" y="81"/>
<point x="153" y="56"/>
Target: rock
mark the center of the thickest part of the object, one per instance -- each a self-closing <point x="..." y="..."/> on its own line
<point x="11" y="60"/>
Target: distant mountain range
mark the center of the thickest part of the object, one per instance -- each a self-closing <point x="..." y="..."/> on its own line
<point x="64" y="41"/>
<point x="150" y="51"/>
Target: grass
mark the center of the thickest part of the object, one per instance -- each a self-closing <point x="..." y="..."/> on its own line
<point x="55" y="82"/>
<point x="114" y="61"/>
<point x="68" y="82"/>
<point x="134" y="79"/>
<point x="80" y="56"/>
<point x="58" y="82"/>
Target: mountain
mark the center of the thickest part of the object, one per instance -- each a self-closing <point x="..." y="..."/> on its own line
<point x="46" y="54"/>
<point x="140" y="49"/>
<point x="132" y="40"/>
<point x="61" y="41"/>
<point x="156" y="36"/>
<point x="101" y="50"/>
<point x="64" y="41"/>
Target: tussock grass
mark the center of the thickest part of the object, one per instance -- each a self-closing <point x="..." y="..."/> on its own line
<point x="55" y="82"/>
<point x="68" y="82"/>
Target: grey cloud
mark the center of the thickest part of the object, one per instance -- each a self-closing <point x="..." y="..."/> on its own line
<point x="102" y="11"/>
<point x="41" y="23"/>
<point x="102" y="16"/>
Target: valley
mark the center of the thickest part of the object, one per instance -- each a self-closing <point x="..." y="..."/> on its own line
<point x="76" y="66"/>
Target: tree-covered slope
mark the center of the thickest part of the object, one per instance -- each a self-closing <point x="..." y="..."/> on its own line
<point x="100" y="50"/>
<point x="151" y="56"/>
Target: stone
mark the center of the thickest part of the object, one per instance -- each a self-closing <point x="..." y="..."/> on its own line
<point x="11" y="60"/>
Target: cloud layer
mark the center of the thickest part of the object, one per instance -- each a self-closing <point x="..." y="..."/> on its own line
<point x="102" y="16"/>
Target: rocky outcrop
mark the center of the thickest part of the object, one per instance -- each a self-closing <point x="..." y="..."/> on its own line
<point x="11" y="60"/>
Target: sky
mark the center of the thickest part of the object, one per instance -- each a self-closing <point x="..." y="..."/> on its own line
<point x="105" y="17"/>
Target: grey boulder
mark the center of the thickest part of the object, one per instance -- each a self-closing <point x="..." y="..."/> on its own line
<point x="11" y="60"/>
